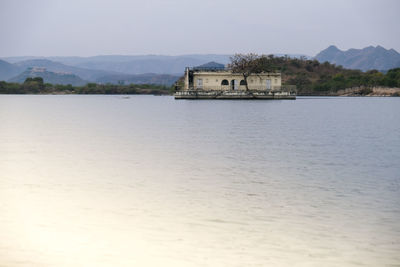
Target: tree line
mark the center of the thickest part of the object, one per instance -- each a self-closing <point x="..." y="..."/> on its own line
<point x="36" y="85"/>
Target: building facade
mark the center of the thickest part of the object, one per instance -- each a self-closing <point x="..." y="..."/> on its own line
<point x="221" y="79"/>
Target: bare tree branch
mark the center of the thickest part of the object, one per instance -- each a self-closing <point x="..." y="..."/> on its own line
<point x="246" y="64"/>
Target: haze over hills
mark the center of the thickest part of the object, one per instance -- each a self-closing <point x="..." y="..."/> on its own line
<point x="364" y="59"/>
<point x="139" y="66"/>
<point x="49" y="77"/>
<point x="149" y="64"/>
<point x="74" y="60"/>
<point x="161" y="69"/>
<point x="146" y="78"/>
<point x="160" y="64"/>
<point x="156" y="69"/>
<point x="86" y="74"/>
<point x="8" y="70"/>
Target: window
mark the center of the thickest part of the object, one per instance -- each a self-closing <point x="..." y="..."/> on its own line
<point x="276" y="80"/>
<point x="268" y="84"/>
<point x="199" y="83"/>
<point x="242" y="82"/>
<point x="224" y="82"/>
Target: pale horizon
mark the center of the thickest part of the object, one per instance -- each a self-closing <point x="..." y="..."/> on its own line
<point x="188" y="54"/>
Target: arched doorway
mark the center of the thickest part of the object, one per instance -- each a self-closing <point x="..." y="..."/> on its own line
<point x="242" y="85"/>
<point x="224" y="85"/>
<point x="234" y="84"/>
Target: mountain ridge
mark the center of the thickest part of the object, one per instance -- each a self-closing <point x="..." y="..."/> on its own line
<point x="367" y="58"/>
<point x="8" y="70"/>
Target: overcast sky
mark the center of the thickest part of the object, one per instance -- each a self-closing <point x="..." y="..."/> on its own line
<point x="176" y="27"/>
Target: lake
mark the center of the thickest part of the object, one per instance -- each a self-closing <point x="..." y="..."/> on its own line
<point x="152" y="181"/>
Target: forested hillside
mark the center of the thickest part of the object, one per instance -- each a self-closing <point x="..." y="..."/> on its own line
<point x="313" y="77"/>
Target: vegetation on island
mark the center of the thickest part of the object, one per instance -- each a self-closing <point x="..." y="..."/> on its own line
<point x="312" y="77"/>
<point x="37" y="86"/>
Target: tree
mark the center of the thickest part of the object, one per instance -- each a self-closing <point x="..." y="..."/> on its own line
<point x="245" y="64"/>
<point x="33" y="84"/>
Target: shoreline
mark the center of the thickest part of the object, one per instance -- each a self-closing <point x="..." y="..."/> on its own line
<point x="349" y="92"/>
<point x="377" y="91"/>
<point x="149" y="94"/>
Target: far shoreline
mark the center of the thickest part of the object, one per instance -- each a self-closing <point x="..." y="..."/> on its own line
<point x="149" y="94"/>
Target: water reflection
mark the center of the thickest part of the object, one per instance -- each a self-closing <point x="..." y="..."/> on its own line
<point x="149" y="181"/>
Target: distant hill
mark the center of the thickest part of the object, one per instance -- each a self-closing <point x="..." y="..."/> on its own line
<point x="140" y="65"/>
<point x="120" y="64"/>
<point x="211" y="65"/>
<point x="49" y="77"/>
<point x="147" y="78"/>
<point x="87" y="74"/>
<point x="8" y="70"/>
<point x="368" y="58"/>
<point x="126" y="64"/>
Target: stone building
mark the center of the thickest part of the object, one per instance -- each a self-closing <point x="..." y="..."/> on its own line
<point x="209" y="79"/>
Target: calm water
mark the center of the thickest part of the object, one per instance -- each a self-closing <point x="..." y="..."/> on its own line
<point x="150" y="181"/>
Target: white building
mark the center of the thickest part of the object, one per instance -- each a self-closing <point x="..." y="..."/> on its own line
<point x="208" y="79"/>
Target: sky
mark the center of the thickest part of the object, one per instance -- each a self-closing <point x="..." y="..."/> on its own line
<point x="177" y="27"/>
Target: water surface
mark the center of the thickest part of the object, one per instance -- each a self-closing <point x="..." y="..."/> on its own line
<point x="150" y="181"/>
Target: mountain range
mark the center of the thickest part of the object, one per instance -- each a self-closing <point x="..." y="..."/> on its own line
<point x="161" y="69"/>
<point x="365" y="59"/>
<point x="156" y="69"/>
